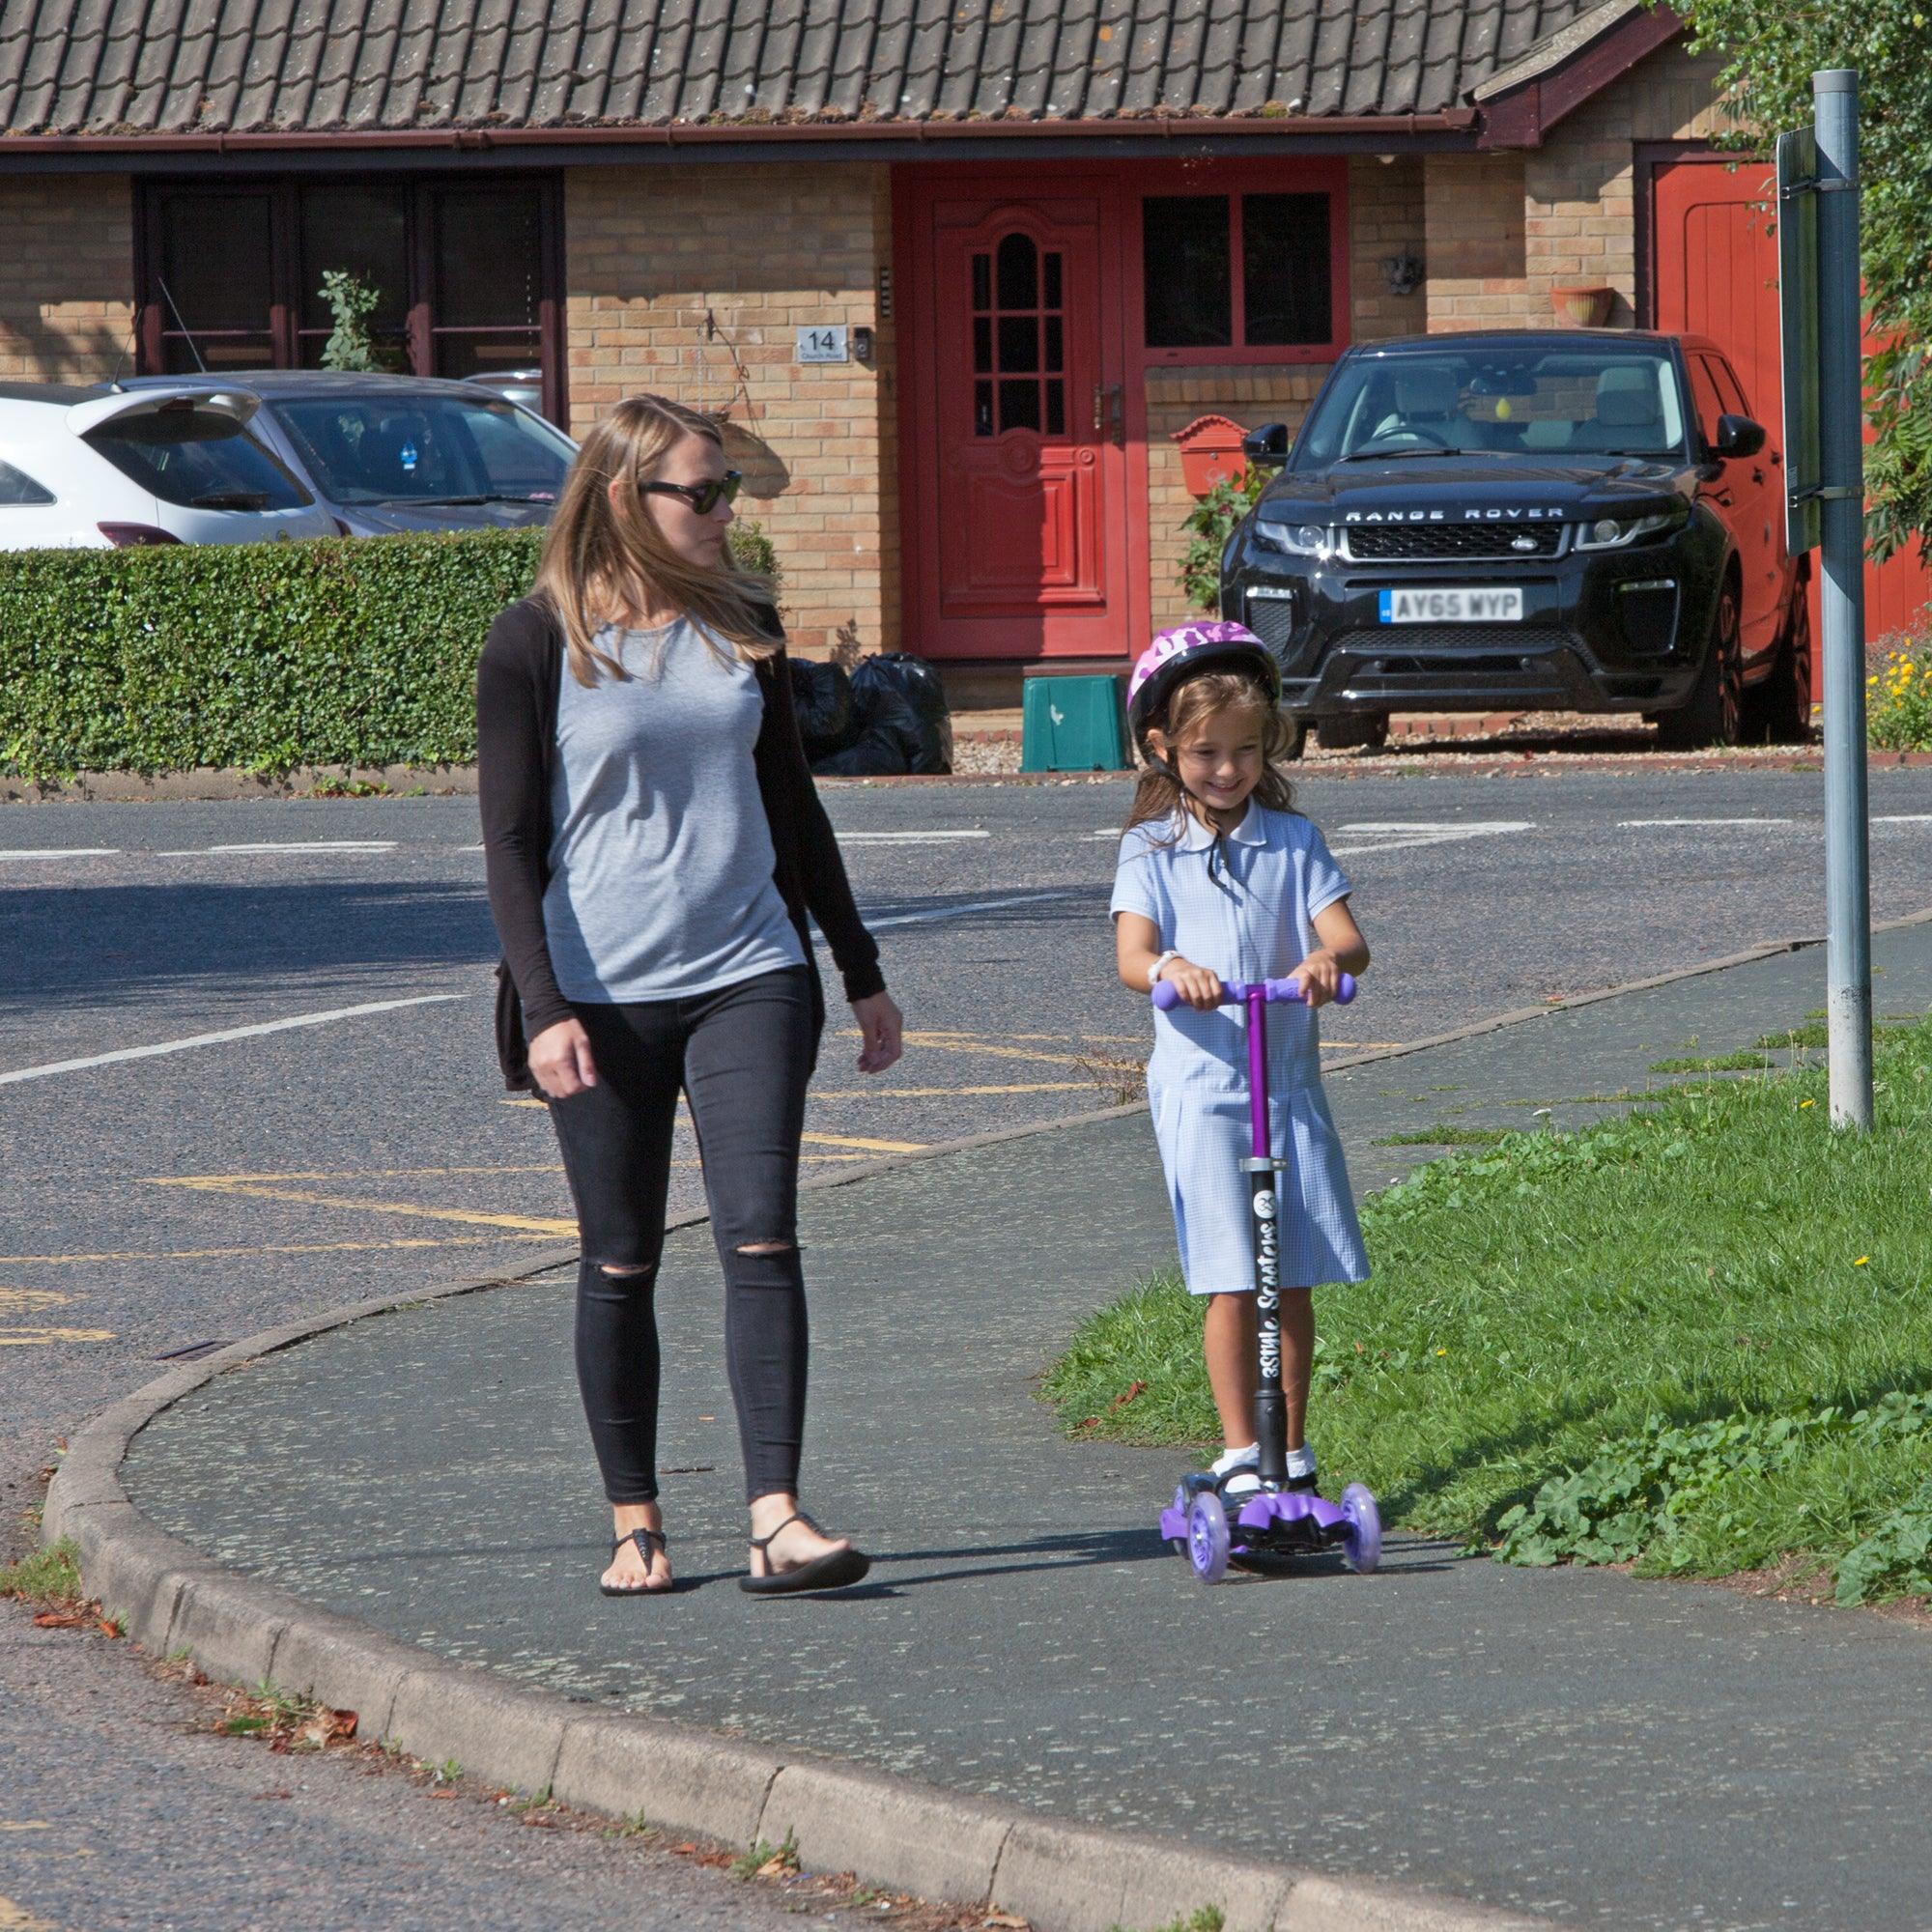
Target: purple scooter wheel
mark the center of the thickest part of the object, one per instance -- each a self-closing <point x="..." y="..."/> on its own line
<point x="1183" y="1502"/>
<point x="1362" y="1532"/>
<point x="1208" y="1537"/>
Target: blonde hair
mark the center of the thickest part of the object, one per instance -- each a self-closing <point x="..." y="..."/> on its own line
<point x="1190" y="705"/>
<point x="601" y="557"/>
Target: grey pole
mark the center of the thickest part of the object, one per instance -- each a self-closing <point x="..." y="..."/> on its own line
<point x="1835" y="96"/>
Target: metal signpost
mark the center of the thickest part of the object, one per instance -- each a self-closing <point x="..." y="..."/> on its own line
<point x="1824" y="482"/>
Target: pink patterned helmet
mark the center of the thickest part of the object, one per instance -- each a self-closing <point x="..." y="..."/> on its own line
<point x="1213" y="645"/>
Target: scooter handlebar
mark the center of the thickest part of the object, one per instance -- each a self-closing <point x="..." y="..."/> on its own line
<point x="1235" y="992"/>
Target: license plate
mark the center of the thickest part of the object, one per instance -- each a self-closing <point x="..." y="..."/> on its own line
<point x="1430" y="605"/>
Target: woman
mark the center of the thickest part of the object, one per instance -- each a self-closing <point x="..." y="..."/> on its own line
<point x="653" y="844"/>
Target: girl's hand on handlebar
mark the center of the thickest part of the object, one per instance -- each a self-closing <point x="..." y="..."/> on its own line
<point x="1320" y="978"/>
<point x="560" y="1059"/>
<point x="1196" y="985"/>
<point x="882" y="1026"/>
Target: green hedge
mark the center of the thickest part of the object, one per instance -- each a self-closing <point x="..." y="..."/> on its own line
<point x="263" y="656"/>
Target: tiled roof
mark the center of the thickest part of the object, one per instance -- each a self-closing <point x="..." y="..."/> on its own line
<point x="136" y="66"/>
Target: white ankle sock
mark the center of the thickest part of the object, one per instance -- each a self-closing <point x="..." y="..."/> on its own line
<point x="1233" y="1459"/>
<point x="1300" y="1463"/>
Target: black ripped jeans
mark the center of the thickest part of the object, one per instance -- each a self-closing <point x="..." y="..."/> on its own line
<point x="742" y="1056"/>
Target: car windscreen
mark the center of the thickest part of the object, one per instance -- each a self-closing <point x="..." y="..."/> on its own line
<point x="1506" y="400"/>
<point x="425" y="448"/>
<point x="200" y="459"/>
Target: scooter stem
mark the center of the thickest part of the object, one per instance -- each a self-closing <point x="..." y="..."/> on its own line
<point x="1265" y="1175"/>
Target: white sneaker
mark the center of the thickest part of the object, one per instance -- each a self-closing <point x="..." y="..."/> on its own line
<point x="1225" y="1466"/>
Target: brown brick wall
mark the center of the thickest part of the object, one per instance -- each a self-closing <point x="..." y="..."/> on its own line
<point x="1385" y="221"/>
<point x="1476" y="223"/>
<point x="67" y="286"/>
<point x="693" y="281"/>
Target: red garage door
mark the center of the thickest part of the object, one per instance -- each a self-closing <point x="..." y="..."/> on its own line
<point x="1716" y="276"/>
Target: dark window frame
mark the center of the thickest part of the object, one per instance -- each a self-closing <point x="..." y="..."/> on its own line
<point x="285" y="332"/>
<point x="1234" y="179"/>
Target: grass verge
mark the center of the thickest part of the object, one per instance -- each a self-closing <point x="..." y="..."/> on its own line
<point x="1698" y="1338"/>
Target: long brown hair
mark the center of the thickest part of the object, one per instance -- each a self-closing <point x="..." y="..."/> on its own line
<point x="602" y="557"/>
<point x="1189" y="705"/>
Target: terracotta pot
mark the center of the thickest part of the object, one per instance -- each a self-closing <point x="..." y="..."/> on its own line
<point x="1583" y="307"/>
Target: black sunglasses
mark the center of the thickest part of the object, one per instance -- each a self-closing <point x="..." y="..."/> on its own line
<point x="703" y="498"/>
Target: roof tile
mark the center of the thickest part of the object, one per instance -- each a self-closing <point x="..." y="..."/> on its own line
<point x="109" y="67"/>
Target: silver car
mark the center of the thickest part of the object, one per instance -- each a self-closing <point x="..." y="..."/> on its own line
<point x="391" y="453"/>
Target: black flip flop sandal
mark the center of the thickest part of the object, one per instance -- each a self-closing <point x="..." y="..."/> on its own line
<point x="644" y="1538"/>
<point x="835" y="1570"/>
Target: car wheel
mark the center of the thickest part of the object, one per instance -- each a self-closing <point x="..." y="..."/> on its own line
<point x="1712" y="715"/>
<point x="1361" y="731"/>
<point x="1778" y="711"/>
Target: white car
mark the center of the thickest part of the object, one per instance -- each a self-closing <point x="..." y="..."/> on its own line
<point x="105" y="467"/>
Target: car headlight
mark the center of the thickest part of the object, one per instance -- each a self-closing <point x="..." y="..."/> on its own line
<point x="1614" y="533"/>
<point x="1294" y="539"/>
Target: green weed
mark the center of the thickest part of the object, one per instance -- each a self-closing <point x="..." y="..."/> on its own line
<point x="763" y="1861"/>
<point x="49" y="1576"/>
<point x="1741" y="1062"/>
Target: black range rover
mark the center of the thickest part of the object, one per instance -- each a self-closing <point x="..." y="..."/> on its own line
<point x="1574" y="520"/>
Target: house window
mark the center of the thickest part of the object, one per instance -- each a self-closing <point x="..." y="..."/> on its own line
<point x="1246" y="275"/>
<point x="464" y="275"/>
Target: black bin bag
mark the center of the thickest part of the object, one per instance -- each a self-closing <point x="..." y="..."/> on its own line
<point x="903" y="723"/>
<point x="821" y="693"/>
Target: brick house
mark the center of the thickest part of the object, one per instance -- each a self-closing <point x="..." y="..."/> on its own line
<point x="1053" y="231"/>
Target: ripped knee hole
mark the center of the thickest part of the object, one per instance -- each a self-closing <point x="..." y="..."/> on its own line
<point x="625" y="1270"/>
<point x="766" y="1247"/>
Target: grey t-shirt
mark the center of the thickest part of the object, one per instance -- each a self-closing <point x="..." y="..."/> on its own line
<point x="660" y="855"/>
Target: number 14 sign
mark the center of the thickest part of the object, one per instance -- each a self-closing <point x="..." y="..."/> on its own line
<point x="825" y="344"/>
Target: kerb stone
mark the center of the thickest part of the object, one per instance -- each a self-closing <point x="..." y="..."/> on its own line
<point x="685" y="1780"/>
<point x="908" y="1836"/>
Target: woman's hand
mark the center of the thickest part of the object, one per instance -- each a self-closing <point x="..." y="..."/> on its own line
<point x="1196" y="985"/>
<point x="882" y="1027"/>
<point x="560" y="1059"/>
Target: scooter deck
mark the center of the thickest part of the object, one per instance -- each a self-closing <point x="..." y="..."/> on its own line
<point x="1278" y="1521"/>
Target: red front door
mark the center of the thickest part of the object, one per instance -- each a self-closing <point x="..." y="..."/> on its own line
<point x="1716" y="276"/>
<point x="1018" y="431"/>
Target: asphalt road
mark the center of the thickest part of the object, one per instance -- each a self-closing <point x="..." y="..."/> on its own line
<point x="162" y="1200"/>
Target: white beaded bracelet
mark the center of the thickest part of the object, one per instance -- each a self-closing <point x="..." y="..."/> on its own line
<point x="1160" y="967"/>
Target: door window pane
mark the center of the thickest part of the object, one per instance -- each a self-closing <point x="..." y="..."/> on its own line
<point x="1020" y="273"/>
<point x="1286" y="288"/>
<point x="1187" y="273"/>
<point x="982" y="281"/>
<point x="1020" y="406"/>
<point x="1056" y="407"/>
<point x="983" y="408"/>
<point x="982" y="344"/>
<point x="1019" y="343"/>
<point x="1053" y="282"/>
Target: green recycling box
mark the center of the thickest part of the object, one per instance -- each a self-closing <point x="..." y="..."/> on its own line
<point x="1072" y="725"/>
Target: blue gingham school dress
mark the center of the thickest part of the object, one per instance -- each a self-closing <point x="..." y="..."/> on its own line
<point x="1246" y="912"/>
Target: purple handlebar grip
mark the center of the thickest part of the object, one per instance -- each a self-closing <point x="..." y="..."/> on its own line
<point x="1235" y="992"/>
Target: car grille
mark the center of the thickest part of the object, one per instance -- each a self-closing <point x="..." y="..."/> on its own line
<point x="1405" y="646"/>
<point x="1421" y="543"/>
<point x="1272" y="620"/>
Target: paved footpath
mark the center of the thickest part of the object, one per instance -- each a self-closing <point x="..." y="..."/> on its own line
<point x="1571" y="1743"/>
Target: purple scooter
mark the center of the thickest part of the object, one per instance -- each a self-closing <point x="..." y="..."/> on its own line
<point x="1273" y="1519"/>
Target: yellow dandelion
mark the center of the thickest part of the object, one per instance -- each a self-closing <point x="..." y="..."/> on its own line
<point x="1443" y="1352"/>
<point x="1862" y="1261"/>
<point x="1802" y="1104"/>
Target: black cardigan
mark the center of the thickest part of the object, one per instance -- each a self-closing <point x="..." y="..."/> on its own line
<point x="515" y="750"/>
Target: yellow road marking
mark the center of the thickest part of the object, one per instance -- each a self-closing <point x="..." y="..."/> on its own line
<point x="46" y="1338"/>
<point x="26" y="1825"/>
<point x="266" y="1248"/>
<point x="340" y="1174"/>
<point x="17" y="1919"/>
<point x="17" y="1302"/>
<point x="853" y="1141"/>
<point x="228" y="1184"/>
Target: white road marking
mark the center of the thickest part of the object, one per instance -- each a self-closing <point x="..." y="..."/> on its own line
<point x="939" y="913"/>
<point x="905" y="838"/>
<point x="1396" y="835"/>
<point x="1890" y="818"/>
<point x="1645" y="824"/>
<point x="221" y="1039"/>
<point x="70" y="852"/>
<point x="315" y="846"/>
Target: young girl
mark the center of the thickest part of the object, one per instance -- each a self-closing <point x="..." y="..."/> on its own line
<point x="1219" y="877"/>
